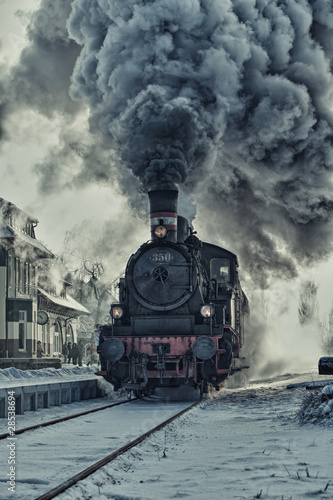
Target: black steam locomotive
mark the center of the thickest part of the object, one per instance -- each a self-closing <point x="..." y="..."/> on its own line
<point x="179" y="322"/>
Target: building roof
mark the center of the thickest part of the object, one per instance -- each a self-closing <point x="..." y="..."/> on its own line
<point x="69" y="305"/>
<point x="17" y="226"/>
<point x="24" y="239"/>
<point x="5" y="230"/>
<point x="6" y="207"/>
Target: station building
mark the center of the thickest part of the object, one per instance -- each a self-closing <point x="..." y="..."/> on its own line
<point x="34" y="305"/>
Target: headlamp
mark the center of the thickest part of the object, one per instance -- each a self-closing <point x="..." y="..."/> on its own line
<point x="207" y="310"/>
<point x="117" y="311"/>
<point x="160" y="232"/>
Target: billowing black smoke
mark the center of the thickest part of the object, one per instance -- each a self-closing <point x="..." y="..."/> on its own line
<point x="229" y="100"/>
<point x="41" y="79"/>
<point x="40" y="82"/>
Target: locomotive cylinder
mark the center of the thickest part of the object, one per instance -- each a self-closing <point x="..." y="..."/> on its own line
<point x="163" y="212"/>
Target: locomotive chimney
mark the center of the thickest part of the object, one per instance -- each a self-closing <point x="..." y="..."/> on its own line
<point x="163" y="213"/>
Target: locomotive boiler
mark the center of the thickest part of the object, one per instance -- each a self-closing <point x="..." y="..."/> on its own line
<point x="179" y="321"/>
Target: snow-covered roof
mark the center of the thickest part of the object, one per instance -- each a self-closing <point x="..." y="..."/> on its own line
<point x="7" y="207"/>
<point x="13" y="228"/>
<point x="5" y="231"/>
<point x="11" y="233"/>
<point x="68" y="302"/>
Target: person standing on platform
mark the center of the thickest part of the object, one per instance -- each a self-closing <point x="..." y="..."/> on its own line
<point x="65" y="352"/>
<point x="74" y="353"/>
<point x="81" y="352"/>
<point x="40" y="351"/>
<point x="69" y="351"/>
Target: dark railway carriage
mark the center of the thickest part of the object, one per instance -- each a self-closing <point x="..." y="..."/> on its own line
<point x="179" y="321"/>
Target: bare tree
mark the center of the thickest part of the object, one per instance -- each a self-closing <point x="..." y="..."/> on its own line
<point x="327" y="329"/>
<point x="91" y="285"/>
<point x="308" y="303"/>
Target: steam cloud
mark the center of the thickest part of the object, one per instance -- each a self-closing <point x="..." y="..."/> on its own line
<point x="41" y="78"/>
<point x="232" y="100"/>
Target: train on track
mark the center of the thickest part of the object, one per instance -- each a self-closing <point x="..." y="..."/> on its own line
<point x="179" y="321"/>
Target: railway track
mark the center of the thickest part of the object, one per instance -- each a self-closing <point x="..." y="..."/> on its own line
<point x="62" y="419"/>
<point x="51" y="458"/>
<point x="96" y="466"/>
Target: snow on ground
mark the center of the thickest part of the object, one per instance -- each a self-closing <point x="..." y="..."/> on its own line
<point x="242" y="443"/>
<point x="13" y="377"/>
<point x="48" y="456"/>
<point x="259" y="441"/>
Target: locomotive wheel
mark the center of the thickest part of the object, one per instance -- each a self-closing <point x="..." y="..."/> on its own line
<point x="225" y="359"/>
<point x="204" y="387"/>
<point x="145" y="391"/>
<point x="208" y="370"/>
<point x="119" y="370"/>
<point x="138" y="393"/>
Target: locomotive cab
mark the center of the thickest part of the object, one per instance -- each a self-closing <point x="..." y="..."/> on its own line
<point x="230" y="302"/>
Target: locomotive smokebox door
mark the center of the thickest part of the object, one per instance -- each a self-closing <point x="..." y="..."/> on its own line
<point x="112" y="349"/>
<point x="163" y="278"/>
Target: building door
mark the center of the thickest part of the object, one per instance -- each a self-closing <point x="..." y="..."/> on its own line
<point x="69" y="334"/>
<point x="57" y="340"/>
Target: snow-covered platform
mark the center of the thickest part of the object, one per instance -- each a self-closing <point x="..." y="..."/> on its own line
<point x="34" y="389"/>
<point x="30" y="363"/>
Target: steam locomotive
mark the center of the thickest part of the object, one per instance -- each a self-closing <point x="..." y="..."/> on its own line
<point x="179" y="321"/>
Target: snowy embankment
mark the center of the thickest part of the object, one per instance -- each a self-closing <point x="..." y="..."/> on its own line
<point x="317" y="407"/>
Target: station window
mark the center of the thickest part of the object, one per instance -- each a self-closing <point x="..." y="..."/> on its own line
<point x="33" y="281"/>
<point x="10" y="271"/>
<point x="220" y="270"/>
<point x="22" y="330"/>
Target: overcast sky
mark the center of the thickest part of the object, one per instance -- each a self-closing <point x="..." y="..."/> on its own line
<point x="31" y="134"/>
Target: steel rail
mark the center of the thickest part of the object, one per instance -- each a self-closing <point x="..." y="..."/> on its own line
<point x="93" y="468"/>
<point x="63" y="419"/>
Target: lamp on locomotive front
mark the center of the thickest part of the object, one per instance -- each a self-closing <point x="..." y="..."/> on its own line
<point x="160" y="232"/>
<point x="116" y="311"/>
<point x="163" y="214"/>
<point x="207" y="310"/>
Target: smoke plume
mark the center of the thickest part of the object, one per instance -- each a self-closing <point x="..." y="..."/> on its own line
<point x="232" y="100"/>
<point x="42" y="77"/>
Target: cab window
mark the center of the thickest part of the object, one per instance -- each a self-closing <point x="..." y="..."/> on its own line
<point x="220" y="270"/>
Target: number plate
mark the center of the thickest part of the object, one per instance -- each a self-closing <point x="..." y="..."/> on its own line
<point x="161" y="257"/>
